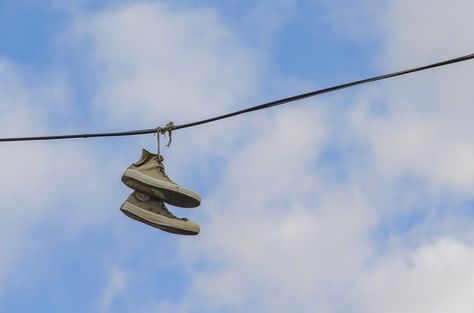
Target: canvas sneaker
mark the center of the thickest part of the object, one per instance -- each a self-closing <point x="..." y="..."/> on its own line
<point x="144" y="208"/>
<point x="148" y="175"/>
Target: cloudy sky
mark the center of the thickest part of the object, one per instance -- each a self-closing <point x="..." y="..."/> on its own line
<point x="357" y="201"/>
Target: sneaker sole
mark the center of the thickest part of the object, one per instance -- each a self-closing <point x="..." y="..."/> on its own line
<point x="163" y="190"/>
<point x="158" y="221"/>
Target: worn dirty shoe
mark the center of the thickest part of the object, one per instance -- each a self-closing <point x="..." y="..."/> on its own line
<point x="144" y="208"/>
<point x="148" y="175"/>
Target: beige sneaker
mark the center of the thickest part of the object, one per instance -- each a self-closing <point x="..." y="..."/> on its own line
<point x="144" y="208"/>
<point x="148" y="175"/>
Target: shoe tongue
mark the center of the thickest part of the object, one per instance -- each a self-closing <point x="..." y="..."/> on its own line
<point x="143" y="158"/>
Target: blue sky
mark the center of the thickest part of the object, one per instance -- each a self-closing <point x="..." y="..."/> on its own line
<point x="359" y="201"/>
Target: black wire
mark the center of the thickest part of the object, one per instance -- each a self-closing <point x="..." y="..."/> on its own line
<point x="113" y="134"/>
<point x="254" y="108"/>
<point x="327" y="90"/>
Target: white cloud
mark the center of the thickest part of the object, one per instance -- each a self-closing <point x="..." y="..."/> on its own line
<point x="114" y="288"/>
<point x="278" y="234"/>
<point x="420" y="126"/>
<point x="274" y="236"/>
<point x="40" y="178"/>
<point x="152" y="62"/>
<point x="270" y="251"/>
<point x="427" y="129"/>
<point x="427" y="30"/>
<point x="433" y="278"/>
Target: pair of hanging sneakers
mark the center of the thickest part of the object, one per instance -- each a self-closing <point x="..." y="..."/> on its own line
<point x="152" y="189"/>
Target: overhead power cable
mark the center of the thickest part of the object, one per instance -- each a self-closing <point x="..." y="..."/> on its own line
<point x="250" y="109"/>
